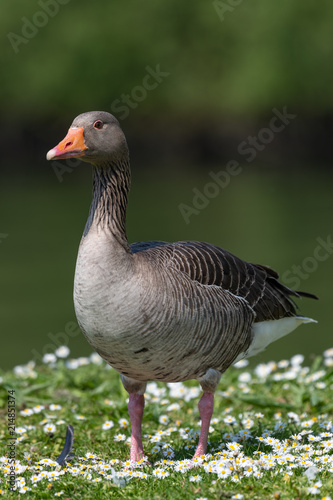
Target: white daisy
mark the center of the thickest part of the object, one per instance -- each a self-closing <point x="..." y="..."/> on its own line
<point x="62" y="351"/>
<point x="49" y="428"/>
<point x="107" y="425"/>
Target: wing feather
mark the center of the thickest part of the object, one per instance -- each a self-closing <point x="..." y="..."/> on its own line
<point x="211" y="265"/>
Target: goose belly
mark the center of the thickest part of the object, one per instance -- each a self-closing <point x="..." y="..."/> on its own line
<point x="144" y="361"/>
<point x="144" y="348"/>
<point x="139" y="331"/>
<point x="168" y="344"/>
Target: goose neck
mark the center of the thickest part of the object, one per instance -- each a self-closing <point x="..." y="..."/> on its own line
<point x="111" y="183"/>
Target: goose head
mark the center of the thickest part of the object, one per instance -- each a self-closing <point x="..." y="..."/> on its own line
<point x="95" y="137"/>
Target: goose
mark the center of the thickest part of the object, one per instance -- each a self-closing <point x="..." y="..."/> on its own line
<point x="159" y="311"/>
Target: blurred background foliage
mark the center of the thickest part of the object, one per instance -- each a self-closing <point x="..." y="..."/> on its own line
<point x="263" y="52"/>
<point x="225" y="67"/>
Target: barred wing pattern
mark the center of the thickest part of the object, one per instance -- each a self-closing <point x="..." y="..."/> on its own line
<point x="211" y="265"/>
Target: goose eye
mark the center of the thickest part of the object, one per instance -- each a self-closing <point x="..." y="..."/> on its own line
<point x="98" y="124"/>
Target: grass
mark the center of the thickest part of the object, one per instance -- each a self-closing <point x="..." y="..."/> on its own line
<point x="271" y="433"/>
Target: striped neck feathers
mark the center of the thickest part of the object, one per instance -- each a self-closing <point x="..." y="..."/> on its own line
<point x="111" y="183"/>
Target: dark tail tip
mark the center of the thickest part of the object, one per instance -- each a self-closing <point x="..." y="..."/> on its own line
<point x="307" y="294"/>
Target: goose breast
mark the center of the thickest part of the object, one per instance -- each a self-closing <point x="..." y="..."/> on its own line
<point x="157" y="325"/>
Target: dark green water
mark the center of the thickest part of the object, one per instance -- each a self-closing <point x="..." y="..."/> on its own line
<point x="262" y="216"/>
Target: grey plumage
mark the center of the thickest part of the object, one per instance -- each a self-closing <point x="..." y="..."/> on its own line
<point x="157" y="310"/>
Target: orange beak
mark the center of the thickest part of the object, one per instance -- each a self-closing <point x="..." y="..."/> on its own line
<point x="72" y="146"/>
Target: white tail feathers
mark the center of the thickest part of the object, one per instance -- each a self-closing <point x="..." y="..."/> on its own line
<point x="266" y="332"/>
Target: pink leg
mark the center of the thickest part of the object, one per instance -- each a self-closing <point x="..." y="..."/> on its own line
<point x="206" y="405"/>
<point x="135" y="409"/>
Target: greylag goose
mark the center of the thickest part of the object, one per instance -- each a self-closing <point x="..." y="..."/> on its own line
<point x="158" y="311"/>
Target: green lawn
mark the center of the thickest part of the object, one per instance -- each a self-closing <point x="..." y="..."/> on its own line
<point x="271" y="429"/>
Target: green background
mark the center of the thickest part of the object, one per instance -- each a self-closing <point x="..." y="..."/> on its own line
<point x="226" y="66"/>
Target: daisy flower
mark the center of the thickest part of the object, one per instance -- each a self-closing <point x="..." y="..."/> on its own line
<point x="96" y="359"/>
<point x="163" y="419"/>
<point x="107" y="425"/>
<point x="241" y="363"/>
<point x="123" y="423"/>
<point x="49" y="428"/>
<point x="229" y="420"/>
<point x="155" y="439"/>
<point x="47" y="461"/>
<point x="20" y="430"/>
<point x="195" y="479"/>
<point x="27" y="412"/>
<point x="245" y="377"/>
<point x="160" y="473"/>
<point x="262" y="370"/>
<point x="279" y="426"/>
<point x="38" y="408"/>
<point x="83" y="361"/>
<point x="120" y="437"/>
<point x="24" y="489"/>
<point x="315" y="488"/>
<point x="72" y="364"/>
<point x="169" y="453"/>
<point x="249" y="471"/>
<point x="223" y="472"/>
<point x="297" y="360"/>
<point x="62" y="351"/>
<point x="109" y="402"/>
<point x="49" y="358"/>
<point x="173" y="407"/>
<point x="235" y="447"/>
<point x="54" y="407"/>
<point x="328" y="445"/>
